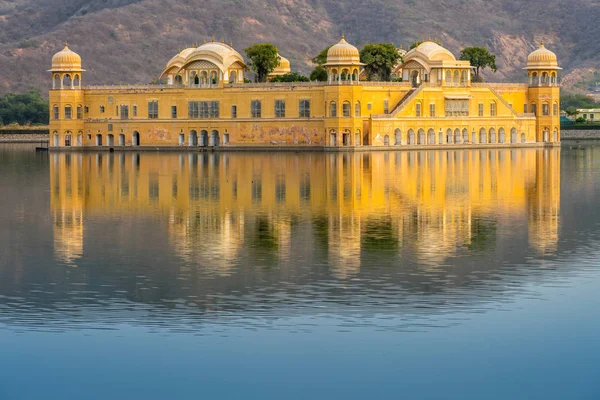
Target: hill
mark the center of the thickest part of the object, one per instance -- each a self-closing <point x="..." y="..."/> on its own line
<point x="130" y="41"/>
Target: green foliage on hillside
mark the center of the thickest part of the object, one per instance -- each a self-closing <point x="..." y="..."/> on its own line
<point x="573" y="101"/>
<point x="24" y="109"/>
<point x="130" y="41"/>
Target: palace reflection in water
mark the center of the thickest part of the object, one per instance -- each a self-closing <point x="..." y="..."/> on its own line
<point x="427" y="206"/>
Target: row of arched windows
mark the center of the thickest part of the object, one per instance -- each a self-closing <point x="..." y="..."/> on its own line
<point x="67" y="81"/>
<point x="346" y="109"/>
<point x="67" y="112"/>
<point x="456" y="78"/>
<point x="456" y="136"/>
<point x="543" y="79"/>
<point x="346" y="138"/>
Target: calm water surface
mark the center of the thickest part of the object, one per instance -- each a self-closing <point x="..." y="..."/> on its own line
<point x="468" y="274"/>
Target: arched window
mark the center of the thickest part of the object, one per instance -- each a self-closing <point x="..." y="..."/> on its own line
<point x="76" y="81"/>
<point x="555" y="135"/>
<point x="482" y="136"/>
<point x="544" y="78"/>
<point x="554" y="80"/>
<point x="523" y="140"/>
<point x="196" y="80"/>
<point x="68" y="139"/>
<point x="448" y="77"/>
<point x="431" y="136"/>
<point x="465" y="135"/>
<point x="79" y="111"/>
<point x="213" y="140"/>
<point x="534" y="79"/>
<point x="192" y="138"/>
<point x="333" y="109"/>
<point x="410" y="137"/>
<point x="418" y="110"/>
<point x="68" y="112"/>
<point x="397" y="137"/>
<point x="55" y="112"/>
<point x="56" y="82"/>
<point x="67" y="81"/>
<point x="214" y="77"/>
<point x="545" y="109"/>
<point x="513" y="135"/>
<point x="179" y="80"/>
<point x="448" y="136"/>
<point x="456" y="78"/>
<point x="346" y="109"/>
<point x="464" y="78"/>
<point x="386" y="140"/>
<point x="421" y="137"/>
<point x="135" y="139"/>
<point x="357" y="109"/>
<point x="357" y="138"/>
<point x="233" y="77"/>
<point x="457" y="135"/>
<point x="492" y="135"/>
<point x="501" y="136"/>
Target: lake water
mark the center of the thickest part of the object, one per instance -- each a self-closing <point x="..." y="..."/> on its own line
<point x="468" y="274"/>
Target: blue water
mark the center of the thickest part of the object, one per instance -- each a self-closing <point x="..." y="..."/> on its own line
<point x="126" y="310"/>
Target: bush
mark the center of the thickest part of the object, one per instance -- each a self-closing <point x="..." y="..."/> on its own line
<point x="24" y="109"/>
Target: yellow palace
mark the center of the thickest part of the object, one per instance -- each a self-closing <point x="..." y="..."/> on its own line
<point x="205" y="103"/>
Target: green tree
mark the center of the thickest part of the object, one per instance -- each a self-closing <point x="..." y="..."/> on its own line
<point x="480" y="58"/>
<point x="380" y="59"/>
<point x="318" y="74"/>
<point x="263" y="58"/>
<point x="321" y="58"/>
<point x="290" y="77"/>
<point x="24" y="109"/>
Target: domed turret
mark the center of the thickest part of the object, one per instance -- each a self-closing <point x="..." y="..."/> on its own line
<point x="284" y="67"/>
<point x="66" y="60"/>
<point x="542" y="58"/>
<point x="66" y="70"/>
<point x="343" y="62"/>
<point x="342" y="53"/>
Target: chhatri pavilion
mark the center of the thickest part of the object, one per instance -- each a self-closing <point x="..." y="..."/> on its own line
<point x="206" y="103"/>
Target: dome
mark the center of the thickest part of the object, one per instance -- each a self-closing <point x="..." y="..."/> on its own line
<point x="284" y="66"/>
<point x="66" y="60"/>
<point x="432" y="51"/>
<point x="343" y="53"/>
<point x="542" y="58"/>
<point x="220" y="54"/>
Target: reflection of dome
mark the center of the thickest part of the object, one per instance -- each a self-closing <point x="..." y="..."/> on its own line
<point x="283" y="68"/>
<point x="542" y="58"/>
<point x="66" y="60"/>
<point x="343" y="53"/>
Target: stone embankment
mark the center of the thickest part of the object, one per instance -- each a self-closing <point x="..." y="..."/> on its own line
<point x="20" y="135"/>
<point x="580" y="134"/>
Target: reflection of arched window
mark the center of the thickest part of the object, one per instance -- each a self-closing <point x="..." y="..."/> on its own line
<point x="333" y="109"/>
<point x="346" y="109"/>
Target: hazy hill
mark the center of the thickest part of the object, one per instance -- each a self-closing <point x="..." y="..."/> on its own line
<point x="129" y="41"/>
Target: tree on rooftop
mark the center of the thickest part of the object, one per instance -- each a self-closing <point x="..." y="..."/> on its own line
<point x="480" y="58"/>
<point x="263" y="59"/>
<point x="318" y="74"/>
<point x="380" y="59"/>
<point x="321" y="58"/>
<point x="290" y="77"/>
